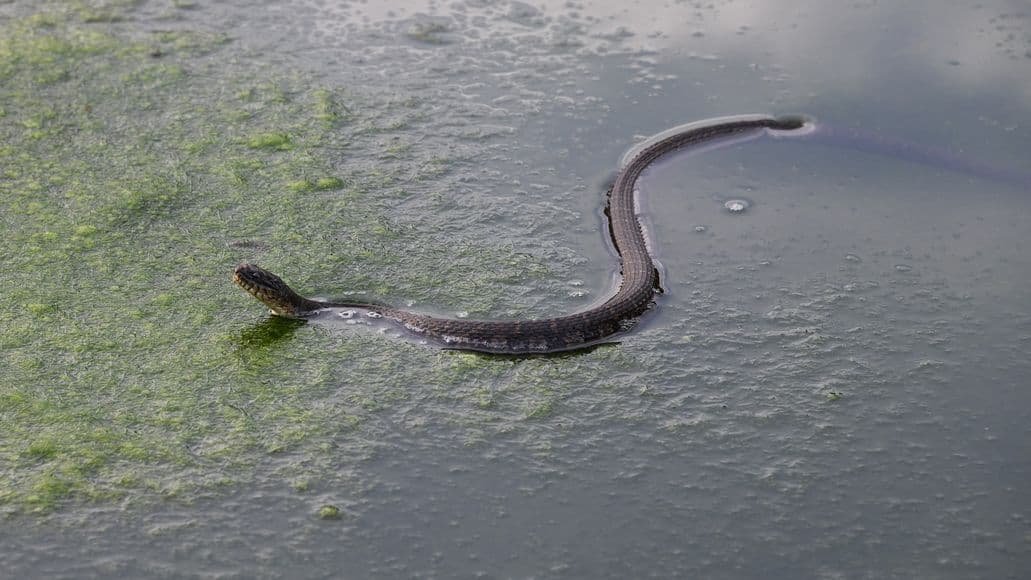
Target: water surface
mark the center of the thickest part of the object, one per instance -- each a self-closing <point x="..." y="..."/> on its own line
<point x="832" y="385"/>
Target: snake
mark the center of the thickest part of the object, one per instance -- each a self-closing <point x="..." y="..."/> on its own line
<point x="639" y="277"/>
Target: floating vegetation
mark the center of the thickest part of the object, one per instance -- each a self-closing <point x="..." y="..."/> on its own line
<point x="273" y="141"/>
<point x="329" y="512"/>
<point x="130" y="185"/>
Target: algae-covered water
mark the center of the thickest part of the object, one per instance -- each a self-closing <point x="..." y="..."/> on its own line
<point x="833" y="384"/>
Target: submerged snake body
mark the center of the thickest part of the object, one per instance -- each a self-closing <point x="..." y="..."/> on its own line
<point x="639" y="276"/>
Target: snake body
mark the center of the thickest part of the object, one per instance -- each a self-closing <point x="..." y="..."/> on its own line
<point x="640" y="278"/>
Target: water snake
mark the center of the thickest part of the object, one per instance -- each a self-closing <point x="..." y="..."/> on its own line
<point x="571" y="331"/>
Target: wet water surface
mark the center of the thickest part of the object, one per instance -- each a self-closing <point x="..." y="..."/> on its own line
<point x="833" y="383"/>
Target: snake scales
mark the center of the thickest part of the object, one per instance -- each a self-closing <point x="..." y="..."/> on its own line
<point x="568" y="332"/>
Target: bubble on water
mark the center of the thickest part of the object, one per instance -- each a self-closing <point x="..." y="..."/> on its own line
<point x="373" y="314"/>
<point x="737" y="205"/>
<point x="701" y="229"/>
<point x="346" y="314"/>
<point x="903" y="267"/>
<point x="853" y="258"/>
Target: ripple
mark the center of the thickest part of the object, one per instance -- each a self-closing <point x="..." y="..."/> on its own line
<point x="737" y="205"/>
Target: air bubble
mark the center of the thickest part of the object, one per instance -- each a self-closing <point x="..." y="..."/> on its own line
<point x="737" y="205"/>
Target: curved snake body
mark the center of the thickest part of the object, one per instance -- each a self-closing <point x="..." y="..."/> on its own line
<point x="633" y="297"/>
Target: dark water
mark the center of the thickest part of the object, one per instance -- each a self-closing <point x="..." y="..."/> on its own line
<point x="834" y="384"/>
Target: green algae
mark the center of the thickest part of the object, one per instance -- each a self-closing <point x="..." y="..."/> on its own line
<point x="320" y="184"/>
<point x="103" y="342"/>
<point x="329" y="512"/>
<point x="130" y="186"/>
<point x="272" y="141"/>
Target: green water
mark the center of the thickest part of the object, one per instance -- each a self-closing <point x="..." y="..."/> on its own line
<point x="136" y="171"/>
<point x="832" y="385"/>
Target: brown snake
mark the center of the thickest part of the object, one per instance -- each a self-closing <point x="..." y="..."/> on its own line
<point x="639" y="282"/>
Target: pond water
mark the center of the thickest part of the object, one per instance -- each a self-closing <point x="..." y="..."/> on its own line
<point x="833" y="383"/>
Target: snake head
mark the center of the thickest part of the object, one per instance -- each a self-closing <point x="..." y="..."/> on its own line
<point x="273" y="292"/>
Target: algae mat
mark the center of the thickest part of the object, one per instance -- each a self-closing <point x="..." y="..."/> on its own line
<point x="136" y="168"/>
